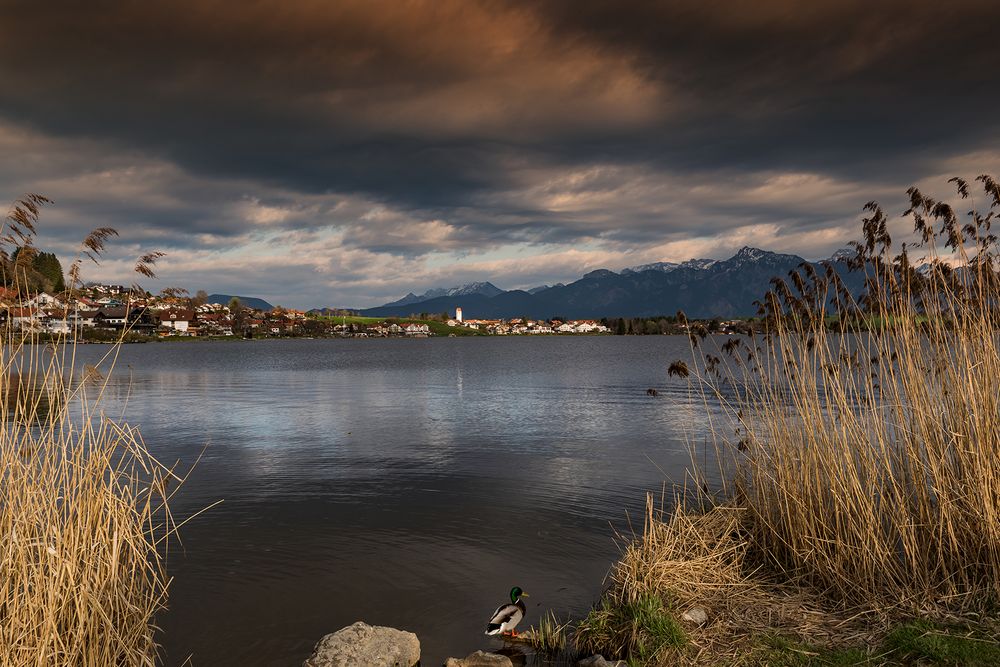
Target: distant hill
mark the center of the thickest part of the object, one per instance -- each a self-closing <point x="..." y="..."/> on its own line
<point x="701" y="288"/>
<point x="248" y="301"/>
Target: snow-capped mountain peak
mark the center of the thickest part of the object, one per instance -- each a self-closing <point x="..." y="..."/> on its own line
<point x="667" y="267"/>
<point x="749" y="254"/>
<point x="484" y="288"/>
<point x="843" y="254"/>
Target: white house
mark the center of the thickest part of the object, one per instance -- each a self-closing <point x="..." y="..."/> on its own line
<point x="56" y="323"/>
<point x="43" y="300"/>
<point x="84" y="318"/>
<point x="178" y="320"/>
<point x="588" y="326"/>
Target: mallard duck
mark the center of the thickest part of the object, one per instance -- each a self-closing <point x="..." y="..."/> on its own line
<point x="507" y="615"/>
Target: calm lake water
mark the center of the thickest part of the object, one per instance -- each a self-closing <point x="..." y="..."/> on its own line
<point x="407" y="483"/>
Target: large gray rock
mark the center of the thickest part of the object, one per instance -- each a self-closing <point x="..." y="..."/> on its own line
<point x="480" y="659"/>
<point x="363" y="645"/>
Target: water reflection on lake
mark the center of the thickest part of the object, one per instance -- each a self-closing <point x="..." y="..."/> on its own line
<point x="407" y="483"/>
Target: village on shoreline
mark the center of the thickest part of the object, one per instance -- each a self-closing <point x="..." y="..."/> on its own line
<point x="108" y="312"/>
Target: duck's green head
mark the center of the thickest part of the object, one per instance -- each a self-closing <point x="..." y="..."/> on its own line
<point x="516" y="593"/>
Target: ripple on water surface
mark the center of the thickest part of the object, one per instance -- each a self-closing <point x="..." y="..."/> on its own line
<point x="408" y="483"/>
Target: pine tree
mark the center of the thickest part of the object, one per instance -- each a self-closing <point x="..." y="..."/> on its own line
<point x="36" y="272"/>
<point x="48" y="265"/>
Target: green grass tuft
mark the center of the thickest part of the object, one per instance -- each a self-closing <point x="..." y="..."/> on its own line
<point x="636" y="630"/>
<point x="926" y="643"/>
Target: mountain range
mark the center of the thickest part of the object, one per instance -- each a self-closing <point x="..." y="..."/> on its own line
<point x="702" y="288"/>
<point x="486" y="289"/>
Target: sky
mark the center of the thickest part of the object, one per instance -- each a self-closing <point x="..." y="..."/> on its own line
<point x="345" y="152"/>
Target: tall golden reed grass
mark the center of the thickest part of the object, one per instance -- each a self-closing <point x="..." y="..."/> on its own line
<point x="867" y="447"/>
<point x="858" y="454"/>
<point x="84" y="515"/>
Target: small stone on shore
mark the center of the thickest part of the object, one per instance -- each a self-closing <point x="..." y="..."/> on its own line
<point x="695" y="615"/>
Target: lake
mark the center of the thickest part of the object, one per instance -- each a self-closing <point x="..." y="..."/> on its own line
<point x="408" y="483"/>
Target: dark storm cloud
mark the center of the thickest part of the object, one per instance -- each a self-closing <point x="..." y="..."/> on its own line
<point x="383" y="132"/>
<point x="784" y="77"/>
<point x="378" y="97"/>
<point x="414" y="101"/>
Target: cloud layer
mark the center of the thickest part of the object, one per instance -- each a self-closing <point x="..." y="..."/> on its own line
<point x="319" y="153"/>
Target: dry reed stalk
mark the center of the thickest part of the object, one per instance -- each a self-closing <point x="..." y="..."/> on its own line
<point x="689" y="559"/>
<point x="84" y="516"/>
<point x="83" y="522"/>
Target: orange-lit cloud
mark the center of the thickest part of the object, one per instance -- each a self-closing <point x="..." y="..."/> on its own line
<point x="368" y="148"/>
